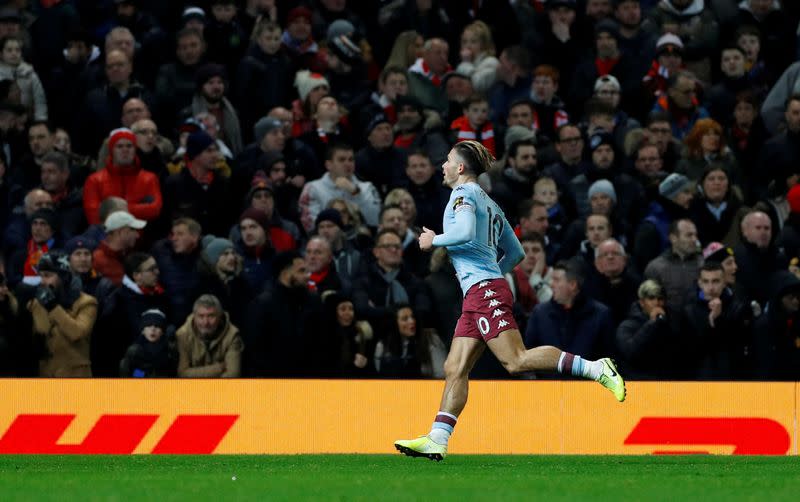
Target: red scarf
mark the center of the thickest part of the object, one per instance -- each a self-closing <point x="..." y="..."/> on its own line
<point x="656" y="78"/>
<point x="404" y="141"/>
<point x="317" y="277"/>
<point x="388" y="108"/>
<point x="58" y="197"/>
<point x="155" y="290"/>
<point x="391" y="113"/>
<point x="422" y="68"/>
<point x="35" y="253"/>
<point x="465" y="132"/>
<point x="300" y="123"/>
<point x="740" y="137"/>
<point x="604" y="66"/>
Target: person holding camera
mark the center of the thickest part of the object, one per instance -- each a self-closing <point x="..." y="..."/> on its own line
<point x="63" y="318"/>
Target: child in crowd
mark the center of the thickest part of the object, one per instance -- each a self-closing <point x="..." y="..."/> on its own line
<point x="475" y="124"/>
<point x="546" y="192"/>
<point x="12" y="67"/>
<point x="154" y="353"/>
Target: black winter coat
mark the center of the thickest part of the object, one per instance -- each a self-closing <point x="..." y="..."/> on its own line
<point x="371" y="289"/>
<point x="386" y="169"/>
<point x="263" y="81"/>
<point x="120" y="327"/>
<point x="776" y="334"/>
<point x="584" y="330"/>
<point x="755" y="265"/>
<point x="280" y="333"/>
<point x="722" y="351"/>
<point x="647" y="348"/>
<point x="184" y="196"/>
<point x="180" y="278"/>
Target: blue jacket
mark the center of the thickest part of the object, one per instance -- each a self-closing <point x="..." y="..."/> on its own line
<point x="180" y="278"/>
<point x="585" y="329"/>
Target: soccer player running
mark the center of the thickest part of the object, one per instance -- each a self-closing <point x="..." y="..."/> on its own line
<point x="474" y="229"/>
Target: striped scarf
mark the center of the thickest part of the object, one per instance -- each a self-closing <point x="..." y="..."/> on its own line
<point x="422" y="68"/>
<point x="465" y="132"/>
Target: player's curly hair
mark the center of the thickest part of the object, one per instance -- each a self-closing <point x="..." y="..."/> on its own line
<point x="477" y="159"/>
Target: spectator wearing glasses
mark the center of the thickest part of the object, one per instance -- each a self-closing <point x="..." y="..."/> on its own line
<point x="659" y="132"/>
<point x="569" y="145"/>
<point x="148" y="148"/>
<point x="387" y="282"/>
<point x="648" y="169"/>
<point x="680" y="102"/>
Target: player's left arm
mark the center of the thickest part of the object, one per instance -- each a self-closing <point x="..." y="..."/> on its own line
<point x="512" y="249"/>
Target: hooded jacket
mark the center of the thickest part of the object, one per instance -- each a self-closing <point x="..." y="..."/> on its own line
<point x="138" y="187"/>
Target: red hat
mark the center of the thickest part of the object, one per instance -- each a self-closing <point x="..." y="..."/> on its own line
<point x="793" y="197"/>
<point x="118" y="134"/>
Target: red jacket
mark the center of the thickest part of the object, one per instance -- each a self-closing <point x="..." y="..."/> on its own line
<point x="109" y="263"/>
<point x="133" y="184"/>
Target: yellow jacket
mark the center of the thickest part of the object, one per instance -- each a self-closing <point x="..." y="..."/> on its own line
<point x="67" y="334"/>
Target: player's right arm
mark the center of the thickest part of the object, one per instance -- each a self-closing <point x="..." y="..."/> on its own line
<point x="461" y="232"/>
<point x="513" y="253"/>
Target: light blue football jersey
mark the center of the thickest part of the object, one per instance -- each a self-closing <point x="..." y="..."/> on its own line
<point x="476" y="260"/>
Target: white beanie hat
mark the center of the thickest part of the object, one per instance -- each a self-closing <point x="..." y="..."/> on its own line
<point x="305" y="81"/>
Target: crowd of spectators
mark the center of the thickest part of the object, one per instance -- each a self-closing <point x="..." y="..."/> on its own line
<point x="220" y="188"/>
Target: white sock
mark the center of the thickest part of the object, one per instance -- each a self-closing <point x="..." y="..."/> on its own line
<point x="442" y="427"/>
<point x="571" y="364"/>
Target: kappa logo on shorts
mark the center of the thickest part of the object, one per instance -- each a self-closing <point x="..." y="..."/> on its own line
<point x="497" y="313"/>
<point x="483" y="284"/>
<point x="489" y="293"/>
<point x="494" y="303"/>
<point x="502" y="324"/>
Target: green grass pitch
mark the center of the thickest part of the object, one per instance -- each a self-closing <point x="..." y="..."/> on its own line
<point x="394" y="477"/>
